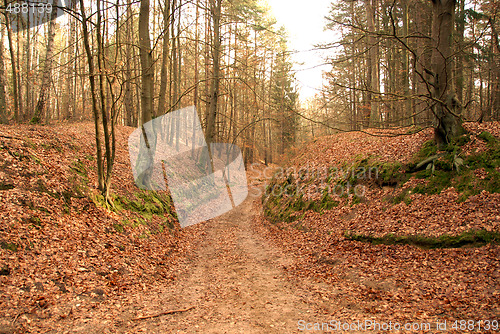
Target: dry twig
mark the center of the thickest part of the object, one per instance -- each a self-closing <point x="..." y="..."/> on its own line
<point x="162" y="313"/>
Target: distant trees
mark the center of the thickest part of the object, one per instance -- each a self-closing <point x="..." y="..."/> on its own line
<point x="284" y="99"/>
<point x="414" y="62"/>
<point x="125" y="62"/>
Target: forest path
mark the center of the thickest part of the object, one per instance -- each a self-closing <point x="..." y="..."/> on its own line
<point x="235" y="284"/>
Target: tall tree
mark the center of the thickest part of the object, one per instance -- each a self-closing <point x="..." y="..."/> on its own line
<point x="147" y="71"/>
<point x="446" y="108"/>
<point x="373" y="74"/>
<point x="43" y="97"/>
<point x="284" y="99"/>
<point x="215" y="9"/>
<point x="3" y="102"/>
<point x="146" y="157"/>
<point x="93" y="91"/>
<point x="13" y="65"/>
<point x="162" y="105"/>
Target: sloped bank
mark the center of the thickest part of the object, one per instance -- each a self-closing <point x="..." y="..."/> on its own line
<point x="383" y="252"/>
<point x="63" y="255"/>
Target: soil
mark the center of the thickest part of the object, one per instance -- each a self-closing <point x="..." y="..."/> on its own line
<point x="234" y="283"/>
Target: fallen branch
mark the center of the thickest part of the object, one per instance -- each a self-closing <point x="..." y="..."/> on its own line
<point x="15" y="318"/>
<point x="428" y="160"/>
<point x="163" y="313"/>
<point x="10" y="137"/>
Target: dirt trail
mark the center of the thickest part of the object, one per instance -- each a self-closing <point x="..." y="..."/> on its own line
<point x="235" y="283"/>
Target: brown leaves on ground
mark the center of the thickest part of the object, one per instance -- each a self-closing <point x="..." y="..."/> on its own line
<point x="64" y="260"/>
<point x="395" y="282"/>
<point x="62" y="255"/>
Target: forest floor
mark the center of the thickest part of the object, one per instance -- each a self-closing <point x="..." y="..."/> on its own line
<point x="70" y="265"/>
<point x="235" y="283"/>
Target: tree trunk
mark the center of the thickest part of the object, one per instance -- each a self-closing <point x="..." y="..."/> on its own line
<point x="128" y="100"/>
<point x="214" y="89"/>
<point x="146" y="158"/>
<point x="43" y="97"/>
<point x="162" y="105"/>
<point x="446" y="108"/>
<point x="495" y="69"/>
<point x="459" y="63"/>
<point x="3" y="102"/>
<point x="406" y="70"/>
<point x="146" y="63"/>
<point x="15" y="96"/>
<point x="373" y="77"/>
<point x="95" y="108"/>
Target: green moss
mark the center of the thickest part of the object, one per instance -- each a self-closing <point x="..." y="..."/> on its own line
<point x="403" y="196"/>
<point x="443" y="165"/>
<point x="52" y="146"/>
<point x="414" y="130"/>
<point x="41" y="208"/>
<point x="30" y="144"/>
<point x="488" y="159"/>
<point x="8" y="246"/>
<point x="373" y="169"/>
<point x="36" y="159"/>
<point x="492" y="181"/>
<point x="144" y="203"/>
<point x="437" y="182"/>
<point x="327" y="202"/>
<point x="474" y="238"/>
<point x="151" y="202"/>
<point x="428" y="148"/>
<point x="355" y="200"/>
<point x="78" y="167"/>
<point x="6" y="186"/>
<point x="119" y="228"/>
<point x="487" y="137"/>
<point x="145" y="235"/>
<point x="450" y="170"/>
<point x="462" y="140"/>
<point x="35" y="120"/>
<point x="282" y="201"/>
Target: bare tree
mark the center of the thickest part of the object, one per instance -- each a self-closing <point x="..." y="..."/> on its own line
<point x="215" y="9"/>
<point x="147" y="72"/>
<point x="43" y="97"/>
